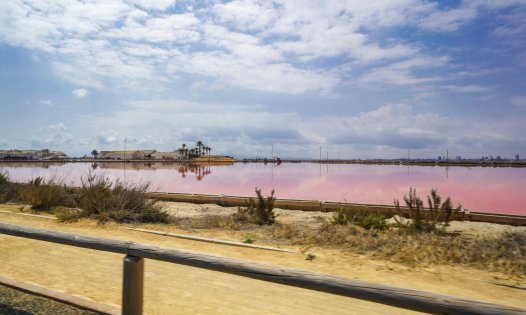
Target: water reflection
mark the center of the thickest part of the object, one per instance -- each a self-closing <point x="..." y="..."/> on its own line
<point x="199" y="170"/>
<point x="476" y="188"/>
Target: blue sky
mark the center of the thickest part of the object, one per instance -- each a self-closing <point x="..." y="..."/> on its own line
<point x="361" y="79"/>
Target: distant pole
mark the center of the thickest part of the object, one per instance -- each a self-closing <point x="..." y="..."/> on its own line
<point x="272" y="154"/>
<point x="124" y="149"/>
<point x="320" y="153"/>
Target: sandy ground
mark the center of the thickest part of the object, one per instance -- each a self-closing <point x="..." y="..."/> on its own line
<point x="175" y="289"/>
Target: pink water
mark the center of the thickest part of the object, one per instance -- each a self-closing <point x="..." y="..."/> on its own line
<point x="501" y="190"/>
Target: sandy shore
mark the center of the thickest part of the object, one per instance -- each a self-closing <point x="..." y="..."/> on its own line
<point x="190" y="210"/>
<point x="175" y="289"/>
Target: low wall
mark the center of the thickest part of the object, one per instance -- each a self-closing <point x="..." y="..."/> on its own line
<point x="326" y="206"/>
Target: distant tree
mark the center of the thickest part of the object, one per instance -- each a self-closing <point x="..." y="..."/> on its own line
<point x="95" y="153"/>
<point x="199" y="146"/>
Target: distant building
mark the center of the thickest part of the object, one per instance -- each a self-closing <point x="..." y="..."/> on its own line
<point x="458" y="158"/>
<point x="517" y="157"/>
<point x="139" y="155"/>
<point x="439" y="158"/>
<point x="122" y="155"/>
<point x="44" y="154"/>
<point x="166" y="155"/>
<point x="498" y="157"/>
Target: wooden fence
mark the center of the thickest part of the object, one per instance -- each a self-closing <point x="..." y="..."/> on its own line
<point x="133" y="275"/>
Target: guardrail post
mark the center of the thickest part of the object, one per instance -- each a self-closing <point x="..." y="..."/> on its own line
<point x="132" y="286"/>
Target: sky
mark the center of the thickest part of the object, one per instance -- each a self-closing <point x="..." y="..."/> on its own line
<point x="358" y="79"/>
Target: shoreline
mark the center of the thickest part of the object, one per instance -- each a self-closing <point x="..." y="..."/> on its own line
<point x="512" y="216"/>
<point x="450" y="163"/>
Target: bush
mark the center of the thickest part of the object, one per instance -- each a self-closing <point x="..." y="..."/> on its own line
<point x="46" y="194"/>
<point x="8" y="191"/>
<point x="118" y="201"/>
<point x="259" y="211"/>
<point x="364" y="219"/>
<point x="433" y="219"/>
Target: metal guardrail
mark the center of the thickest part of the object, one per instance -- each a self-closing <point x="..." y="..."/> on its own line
<point x="133" y="275"/>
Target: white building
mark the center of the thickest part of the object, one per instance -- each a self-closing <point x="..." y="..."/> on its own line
<point x="166" y="155"/>
<point x="122" y="155"/>
<point x="44" y="154"/>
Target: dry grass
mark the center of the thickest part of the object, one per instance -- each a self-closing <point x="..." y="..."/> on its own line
<point x="98" y="198"/>
<point x="43" y="195"/>
<point x="101" y="199"/>
<point x="504" y="253"/>
<point x="8" y="189"/>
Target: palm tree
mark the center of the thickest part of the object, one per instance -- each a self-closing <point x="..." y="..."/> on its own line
<point x="199" y="146"/>
<point x="95" y="153"/>
<point x="207" y="150"/>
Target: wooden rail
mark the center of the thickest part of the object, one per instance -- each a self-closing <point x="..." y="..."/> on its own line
<point x="136" y="252"/>
<point x="326" y="206"/>
<point x="76" y="301"/>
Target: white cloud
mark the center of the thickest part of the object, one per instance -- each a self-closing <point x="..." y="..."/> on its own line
<point x="55" y="135"/>
<point x="288" y="46"/>
<point x="519" y="101"/>
<point x="46" y="103"/>
<point x="469" y="88"/>
<point x="109" y="137"/>
<point x="80" y="93"/>
<point x="245" y="14"/>
<point x="161" y="5"/>
<point x="401" y="73"/>
<point x="136" y="46"/>
<point x="449" y="20"/>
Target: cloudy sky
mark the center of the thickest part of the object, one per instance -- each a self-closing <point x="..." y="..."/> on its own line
<point x="361" y="79"/>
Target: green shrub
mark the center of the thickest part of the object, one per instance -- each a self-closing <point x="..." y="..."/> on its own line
<point x="258" y="211"/>
<point x="433" y="219"/>
<point x="365" y="219"/>
<point x="118" y="201"/>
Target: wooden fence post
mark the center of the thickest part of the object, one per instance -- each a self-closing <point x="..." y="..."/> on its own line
<point x="132" y="286"/>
